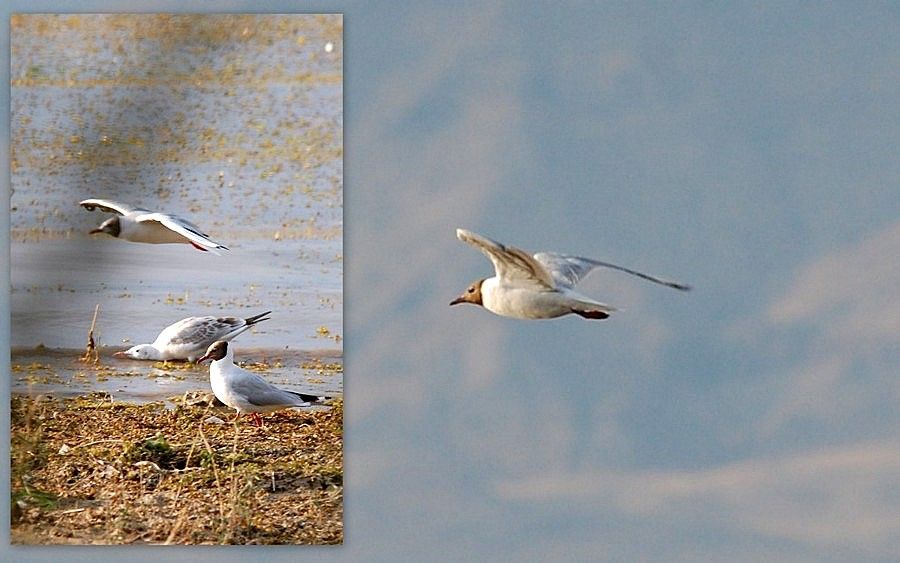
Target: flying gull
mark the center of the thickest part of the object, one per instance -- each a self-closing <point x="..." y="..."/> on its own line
<point x="540" y="286"/>
<point x="142" y="225"/>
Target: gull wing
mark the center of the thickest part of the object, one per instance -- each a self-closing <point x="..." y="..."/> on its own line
<point x="511" y="264"/>
<point x="257" y="391"/>
<point x="566" y="270"/>
<point x="202" y="330"/>
<point x="569" y="270"/>
<point x="111" y="206"/>
<point x="184" y="228"/>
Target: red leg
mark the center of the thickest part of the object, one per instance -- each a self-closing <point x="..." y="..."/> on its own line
<point x="257" y="419"/>
<point x="198" y="247"/>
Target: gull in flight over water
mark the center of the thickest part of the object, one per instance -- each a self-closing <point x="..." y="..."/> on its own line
<point x="189" y="338"/>
<point x="142" y="225"/>
<point x="246" y="391"/>
<point x="540" y="286"/>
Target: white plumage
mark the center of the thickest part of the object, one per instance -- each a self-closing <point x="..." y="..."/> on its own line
<point x="541" y="286"/>
<point x="245" y="391"/>
<point x="142" y="225"/>
<point x="189" y="338"/>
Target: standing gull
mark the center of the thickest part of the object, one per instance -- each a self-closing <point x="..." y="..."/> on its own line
<point x="142" y="225"/>
<point x="189" y="338"/>
<point x="537" y="287"/>
<point x="245" y="391"/>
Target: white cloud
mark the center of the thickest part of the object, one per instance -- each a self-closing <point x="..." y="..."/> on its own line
<point x="838" y="497"/>
<point x="853" y="291"/>
<point x="848" y="301"/>
<point x="811" y="390"/>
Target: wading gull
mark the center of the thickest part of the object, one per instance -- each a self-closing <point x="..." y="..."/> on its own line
<point x="189" y="338"/>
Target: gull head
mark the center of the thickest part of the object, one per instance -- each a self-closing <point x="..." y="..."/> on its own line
<point x="216" y="351"/>
<point x="139" y="352"/>
<point x="472" y="294"/>
<point x="111" y="226"/>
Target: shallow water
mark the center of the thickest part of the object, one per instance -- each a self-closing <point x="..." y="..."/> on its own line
<point x="143" y="288"/>
<point x="232" y="122"/>
<point x="61" y="373"/>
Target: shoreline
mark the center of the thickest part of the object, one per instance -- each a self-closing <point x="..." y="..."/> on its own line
<point x="62" y="373"/>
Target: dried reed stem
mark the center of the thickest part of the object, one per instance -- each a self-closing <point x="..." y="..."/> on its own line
<point x="90" y="353"/>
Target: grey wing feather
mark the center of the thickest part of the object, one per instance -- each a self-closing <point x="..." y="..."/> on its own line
<point x="223" y="327"/>
<point x="569" y="270"/>
<point x="565" y="270"/>
<point x="510" y="263"/>
<point x="183" y="227"/>
<point x="208" y="329"/>
<point x="198" y="330"/>
<point x="261" y="393"/>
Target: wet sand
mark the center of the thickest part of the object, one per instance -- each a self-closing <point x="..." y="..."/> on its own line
<point x="62" y="373"/>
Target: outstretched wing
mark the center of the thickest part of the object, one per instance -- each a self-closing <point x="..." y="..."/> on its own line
<point x="565" y="270"/>
<point x="511" y="264"/>
<point x="184" y="228"/>
<point x="111" y="206"/>
<point x="569" y="270"/>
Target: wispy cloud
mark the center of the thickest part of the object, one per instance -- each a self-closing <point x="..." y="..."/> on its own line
<point x="474" y="426"/>
<point x="848" y="302"/>
<point x="855" y="286"/>
<point x="843" y="496"/>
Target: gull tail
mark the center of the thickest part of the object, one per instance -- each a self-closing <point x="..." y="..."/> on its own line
<point x="309" y="398"/>
<point x="257" y="318"/>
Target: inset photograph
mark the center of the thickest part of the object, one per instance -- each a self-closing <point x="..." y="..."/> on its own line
<point x="177" y="279"/>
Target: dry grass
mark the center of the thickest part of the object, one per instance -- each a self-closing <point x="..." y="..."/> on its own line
<point x="93" y="471"/>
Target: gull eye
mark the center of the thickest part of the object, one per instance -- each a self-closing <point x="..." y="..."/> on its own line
<point x="472" y="289"/>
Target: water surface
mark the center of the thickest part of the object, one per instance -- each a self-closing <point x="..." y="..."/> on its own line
<point x="234" y="122"/>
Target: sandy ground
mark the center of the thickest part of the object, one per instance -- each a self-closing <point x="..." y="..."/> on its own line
<point x="89" y="470"/>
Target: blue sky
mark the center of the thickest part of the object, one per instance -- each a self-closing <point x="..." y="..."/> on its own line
<point x="747" y="149"/>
